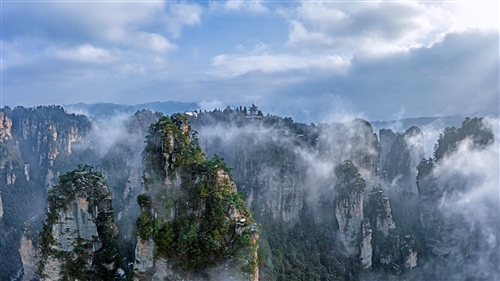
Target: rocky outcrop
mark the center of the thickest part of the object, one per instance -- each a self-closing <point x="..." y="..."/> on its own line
<point x="392" y="249"/>
<point x="380" y="210"/>
<point x="36" y="145"/>
<point x="79" y="237"/>
<point x="350" y="190"/>
<point x="193" y="225"/>
<point x="353" y="141"/>
<point x="5" y="124"/>
<point x="1" y="206"/>
<point x="410" y="256"/>
<point x="387" y="138"/>
<point x="403" y="158"/>
<point x="385" y="234"/>
<point x="29" y="253"/>
<point x="366" y="245"/>
<point x="447" y="233"/>
<point x="46" y="136"/>
<point x="122" y="165"/>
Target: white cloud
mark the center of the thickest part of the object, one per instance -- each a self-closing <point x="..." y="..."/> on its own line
<point x="322" y="15"/>
<point x="473" y="15"/>
<point x="337" y="109"/>
<point x="300" y="35"/>
<point x="86" y="54"/>
<point x="109" y="21"/>
<point x="211" y="104"/>
<point x="260" y="60"/>
<point x="368" y="28"/>
<point x="248" y="6"/>
<point x="154" y="42"/>
<point x="477" y="169"/>
<point x="181" y="14"/>
<point x="116" y="23"/>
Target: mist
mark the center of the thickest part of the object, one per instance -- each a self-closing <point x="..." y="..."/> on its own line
<point x="286" y="171"/>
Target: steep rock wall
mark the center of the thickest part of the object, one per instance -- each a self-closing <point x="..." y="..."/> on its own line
<point x="29" y="252"/>
<point x="79" y="237"/>
<point x="193" y="225"/>
<point x="387" y="138"/>
<point x="386" y="244"/>
<point x="366" y="246"/>
<point x="448" y="234"/>
<point x="401" y="163"/>
<point x="350" y="190"/>
<point x="1" y="206"/>
<point x="5" y="124"/>
<point x="36" y="145"/>
<point x="122" y="165"/>
<point x="46" y="137"/>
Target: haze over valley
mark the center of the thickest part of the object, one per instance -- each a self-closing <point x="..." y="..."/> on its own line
<point x="249" y="140"/>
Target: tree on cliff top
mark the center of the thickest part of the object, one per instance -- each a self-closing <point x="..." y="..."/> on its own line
<point x="190" y="207"/>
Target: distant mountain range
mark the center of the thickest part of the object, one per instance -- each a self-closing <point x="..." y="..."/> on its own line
<point x="170" y="107"/>
<point x="109" y="109"/>
<point x="405" y="123"/>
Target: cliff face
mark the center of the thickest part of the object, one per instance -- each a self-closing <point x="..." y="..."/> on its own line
<point x="366" y="248"/>
<point x="353" y="141"/>
<point x="403" y="158"/>
<point x="434" y="193"/>
<point x="29" y="252"/>
<point x="1" y="206"/>
<point x="193" y="225"/>
<point x="349" y="207"/>
<point x="387" y="138"/>
<point x="392" y="250"/>
<point x="36" y="144"/>
<point x="46" y="137"/>
<point x="122" y="165"/>
<point x="5" y="124"/>
<point x="79" y="237"/>
<point x="287" y="171"/>
<point x="5" y="135"/>
<point x="265" y="166"/>
<point x="327" y="210"/>
<point x="455" y="187"/>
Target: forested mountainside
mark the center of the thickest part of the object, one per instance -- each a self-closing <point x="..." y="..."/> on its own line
<point x="235" y="194"/>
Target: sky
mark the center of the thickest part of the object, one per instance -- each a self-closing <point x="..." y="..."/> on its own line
<point x="316" y="61"/>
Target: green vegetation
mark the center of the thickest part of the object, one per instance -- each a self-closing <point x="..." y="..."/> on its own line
<point x="198" y="221"/>
<point x="190" y="207"/>
<point x="269" y="170"/>
<point x="29" y="164"/>
<point x="349" y="179"/>
<point x="305" y="251"/>
<point x="476" y="129"/>
<point x="83" y="182"/>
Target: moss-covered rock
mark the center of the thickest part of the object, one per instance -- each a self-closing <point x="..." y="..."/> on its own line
<point x="192" y="219"/>
<point x="79" y="237"/>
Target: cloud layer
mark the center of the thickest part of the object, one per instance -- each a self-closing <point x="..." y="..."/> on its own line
<point x="380" y="58"/>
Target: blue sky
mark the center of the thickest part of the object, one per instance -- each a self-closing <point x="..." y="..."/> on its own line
<point x="312" y="60"/>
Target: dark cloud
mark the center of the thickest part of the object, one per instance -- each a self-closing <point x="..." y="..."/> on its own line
<point x="457" y="76"/>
